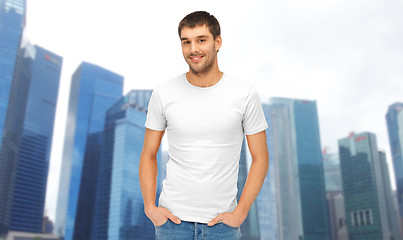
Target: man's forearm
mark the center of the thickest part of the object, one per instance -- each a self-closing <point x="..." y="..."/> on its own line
<point x="254" y="182"/>
<point x="148" y="171"/>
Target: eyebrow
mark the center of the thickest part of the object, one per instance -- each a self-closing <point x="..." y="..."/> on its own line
<point x="198" y="37"/>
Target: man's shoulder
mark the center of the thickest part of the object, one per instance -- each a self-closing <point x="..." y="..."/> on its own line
<point x="238" y="84"/>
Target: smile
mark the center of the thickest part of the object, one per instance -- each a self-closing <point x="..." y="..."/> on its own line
<point x="196" y="59"/>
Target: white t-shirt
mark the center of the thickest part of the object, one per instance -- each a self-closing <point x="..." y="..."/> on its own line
<point x="205" y="129"/>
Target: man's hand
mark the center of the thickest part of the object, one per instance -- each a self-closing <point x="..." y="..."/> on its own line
<point x="234" y="219"/>
<point x="159" y="215"/>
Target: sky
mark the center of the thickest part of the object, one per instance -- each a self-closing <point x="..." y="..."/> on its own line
<point x="347" y="55"/>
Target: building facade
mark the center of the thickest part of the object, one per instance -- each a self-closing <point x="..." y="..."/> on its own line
<point x="266" y="200"/>
<point x="301" y="197"/>
<point x="394" y="120"/>
<point x="250" y="227"/>
<point x="365" y="203"/>
<point x="27" y="139"/>
<point x="392" y="211"/>
<point x="12" y="21"/>
<point x="334" y="196"/>
<point x="119" y="208"/>
<point x="93" y="90"/>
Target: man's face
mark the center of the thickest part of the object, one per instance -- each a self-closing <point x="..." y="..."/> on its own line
<point x="199" y="48"/>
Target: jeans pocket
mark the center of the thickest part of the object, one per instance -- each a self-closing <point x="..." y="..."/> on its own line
<point x="229" y="225"/>
<point x="165" y="223"/>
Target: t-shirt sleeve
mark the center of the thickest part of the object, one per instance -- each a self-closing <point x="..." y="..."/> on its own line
<point x="253" y="119"/>
<point x="155" y="114"/>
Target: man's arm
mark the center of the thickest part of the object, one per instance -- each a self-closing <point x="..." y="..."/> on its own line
<point x="260" y="164"/>
<point x="148" y="171"/>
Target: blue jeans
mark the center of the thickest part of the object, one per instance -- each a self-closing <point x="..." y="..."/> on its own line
<point x="193" y="230"/>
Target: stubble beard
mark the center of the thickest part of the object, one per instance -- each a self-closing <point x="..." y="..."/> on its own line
<point x="204" y="70"/>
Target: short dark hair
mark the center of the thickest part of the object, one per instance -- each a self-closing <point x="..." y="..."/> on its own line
<point x="200" y="18"/>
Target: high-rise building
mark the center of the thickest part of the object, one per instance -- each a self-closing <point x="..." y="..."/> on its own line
<point x="334" y="196"/>
<point x="266" y="200"/>
<point x="394" y="120"/>
<point x="392" y="211"/>
<point x="93" y="90"/>
<point x="27" y="138"/>
<point x="331" y="166"/>
<point x="364" y="188"/>
<point x="119" y="209"/>
<point x="12" y="22"/>
<point x="301" y="197"/>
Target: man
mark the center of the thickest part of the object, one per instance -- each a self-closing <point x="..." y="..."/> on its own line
<point x="206" y="114"/>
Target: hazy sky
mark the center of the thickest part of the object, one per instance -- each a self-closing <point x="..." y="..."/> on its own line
<point x="347" y="55"/>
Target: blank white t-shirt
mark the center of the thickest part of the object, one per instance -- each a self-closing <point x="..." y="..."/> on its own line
<point x="205" y="129"/>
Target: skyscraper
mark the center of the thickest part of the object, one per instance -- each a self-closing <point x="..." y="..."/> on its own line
<point x="392" y="211"/>
<point x="364" y="188"/>
<point x="12" y="22"/>
<point x="334" y="196"/>
<point x="266" y="201"/>
<point x="93" y="90"/>
<point x="301" y="195"/>
<point x="119" y="209"/>
<point x="394" y="120"/>
<point x="27" y="138"/>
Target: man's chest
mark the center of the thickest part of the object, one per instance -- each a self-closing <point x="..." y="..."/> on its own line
<point x="205" y="116"/>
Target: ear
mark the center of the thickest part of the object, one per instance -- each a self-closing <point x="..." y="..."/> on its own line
<point x="218" y="43"/>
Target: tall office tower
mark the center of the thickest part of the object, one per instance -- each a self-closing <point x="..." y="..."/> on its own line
<point x="250" y="227"/>
<point x="12" y="22"/>
<point x="363" y="184"/>
<point x="119" y="208"/>
<point x="394" y="120"/>
<point x="266" y="200"/>
<point x="27" y="139"/>
<point x="393" y="214"/>
<point x="331" y="167"/>
<point x="93" y="90"/>
<point x="300" y="183"/>
<point x="334" y="196"/>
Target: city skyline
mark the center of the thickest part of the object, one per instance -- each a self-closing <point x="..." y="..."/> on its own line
<point x="355" y="49"/>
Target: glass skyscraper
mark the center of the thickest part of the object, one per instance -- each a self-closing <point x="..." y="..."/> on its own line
<point x="266" y="200"/>
<point x="364" y="188"/>
<point x="334" y="196"/>
<point x="250" y="227"/>
<point x="299" y="178"/>
<point x="93" y="90"/>
<point x="331" y="166"/>
<point x="392" y="211"/>
<point x="394" y="120"/>
<point x="27" y="138"/>
<point x="12" y="22"/>
<point x="119" y="209"/>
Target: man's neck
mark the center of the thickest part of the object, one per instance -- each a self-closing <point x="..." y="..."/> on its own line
<point x="204" y="79"/>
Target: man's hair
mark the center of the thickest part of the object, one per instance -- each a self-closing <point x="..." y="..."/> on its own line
<point x="200" y="18"/>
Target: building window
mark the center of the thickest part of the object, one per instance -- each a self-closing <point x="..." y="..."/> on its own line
<point x="355" y="219"/>
<point x="361" y="218"/>
<point x="364" y="220"/>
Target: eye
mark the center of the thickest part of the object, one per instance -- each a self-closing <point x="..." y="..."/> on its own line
<point x="185" y="42"/>
<point x="202" y="40"/>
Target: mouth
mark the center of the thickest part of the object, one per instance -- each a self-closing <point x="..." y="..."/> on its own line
<point x="196" y="58"/>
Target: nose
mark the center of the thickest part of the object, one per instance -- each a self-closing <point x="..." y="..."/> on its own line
<point x="194" y="48"/>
